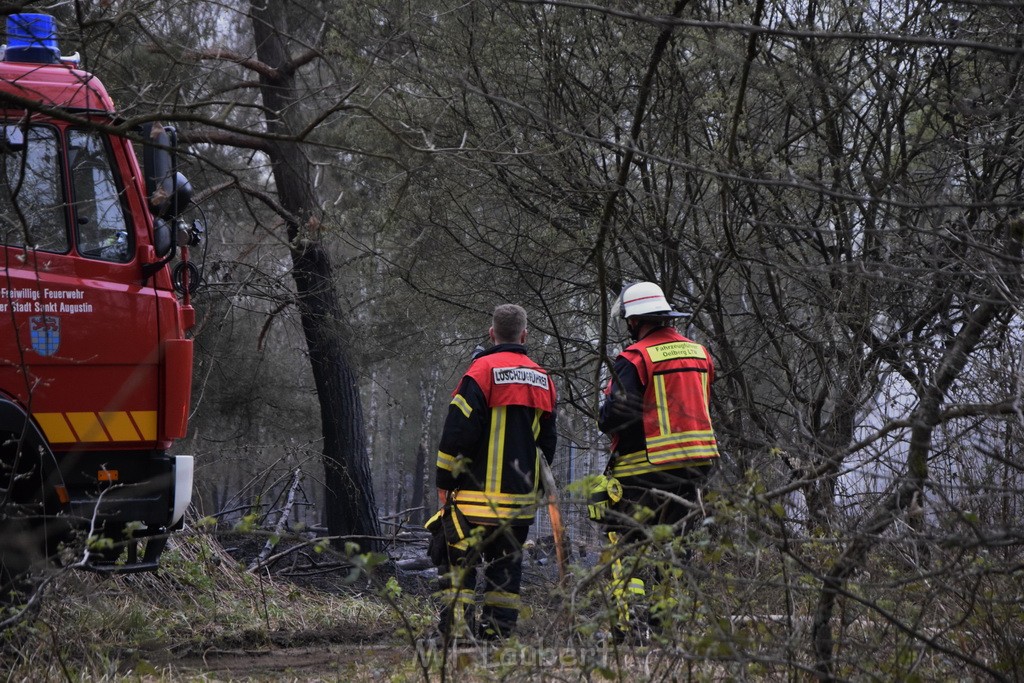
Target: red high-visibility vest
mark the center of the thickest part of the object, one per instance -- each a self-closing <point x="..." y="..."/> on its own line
<point x="509" y="475"/>
<point x="512" y="379"/>
<point x="676" y="373"/>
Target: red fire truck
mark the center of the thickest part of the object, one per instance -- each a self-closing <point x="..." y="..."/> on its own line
<point x="95" y="365"/>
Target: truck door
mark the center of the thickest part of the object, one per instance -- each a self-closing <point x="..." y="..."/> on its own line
<point x="86" y="328"/>
<point x="107" y="295"/>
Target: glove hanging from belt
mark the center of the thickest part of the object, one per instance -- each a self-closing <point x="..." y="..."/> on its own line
<point x="604" y="492"/>
<point x="448" y="527"/>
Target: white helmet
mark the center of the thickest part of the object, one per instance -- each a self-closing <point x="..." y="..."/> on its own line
<point x="645" y="300"/>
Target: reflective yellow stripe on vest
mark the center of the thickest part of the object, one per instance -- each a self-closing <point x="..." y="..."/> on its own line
<point x="661" y="400"/>
<point x="497" y="505"/>
<point x="636" y="463"/>
<point x="496" y="448"/>
<point x="502" y="599"/>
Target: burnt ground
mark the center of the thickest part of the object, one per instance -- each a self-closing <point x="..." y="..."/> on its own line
<point x="328" y="569"/>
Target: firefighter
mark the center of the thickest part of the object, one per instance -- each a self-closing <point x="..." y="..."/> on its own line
<point x="656" y="411"/>
<point x="501" y="420"/>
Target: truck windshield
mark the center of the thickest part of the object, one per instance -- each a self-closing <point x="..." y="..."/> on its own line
<point x="31" y="197"/>
<point x="102" y="230"/>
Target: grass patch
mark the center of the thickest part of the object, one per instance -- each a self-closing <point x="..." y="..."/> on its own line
<point x="93" y="627"/>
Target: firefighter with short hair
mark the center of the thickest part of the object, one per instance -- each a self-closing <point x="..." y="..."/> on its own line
<point x="500" y="421"/>
<point x="656" y="411"/>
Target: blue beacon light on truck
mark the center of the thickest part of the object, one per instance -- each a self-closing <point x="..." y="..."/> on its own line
<point x="32" y="38"/>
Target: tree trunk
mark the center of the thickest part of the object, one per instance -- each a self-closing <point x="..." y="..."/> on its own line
<point x="350" y="506"/>
<point x="421" y="469"/>
<point x="419" y="494"/>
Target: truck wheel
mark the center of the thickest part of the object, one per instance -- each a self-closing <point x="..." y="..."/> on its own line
<point x="22" y="550"/>
<point x="28" y="532"/>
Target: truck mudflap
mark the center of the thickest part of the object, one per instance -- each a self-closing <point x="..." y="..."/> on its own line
<point x="184" y="471"/>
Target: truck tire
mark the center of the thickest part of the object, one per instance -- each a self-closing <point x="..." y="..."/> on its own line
<point x="22" y="550"/>
<point x="29" y="527"/>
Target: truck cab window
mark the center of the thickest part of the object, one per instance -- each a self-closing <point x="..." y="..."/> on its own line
<point x="31" y="192"/>
<point x="100" y="223"/>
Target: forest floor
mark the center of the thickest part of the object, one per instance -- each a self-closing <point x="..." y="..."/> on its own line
<point x="351" y="648"/>
<point x="330" y="660"/>
<point x="307" y="616"/>
<point x="372" y="647"/>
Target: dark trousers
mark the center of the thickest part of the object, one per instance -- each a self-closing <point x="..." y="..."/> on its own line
<point x="501" y="553"/>
<point x="632" y="581"/>
<point x="644" y="491"/>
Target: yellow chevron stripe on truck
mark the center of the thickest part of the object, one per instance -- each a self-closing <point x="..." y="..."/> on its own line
<point x="98" y="427"/>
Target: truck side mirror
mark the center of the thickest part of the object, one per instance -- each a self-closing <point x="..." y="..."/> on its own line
<point x="162" y="238"/>
<point x="168" y="191"/>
